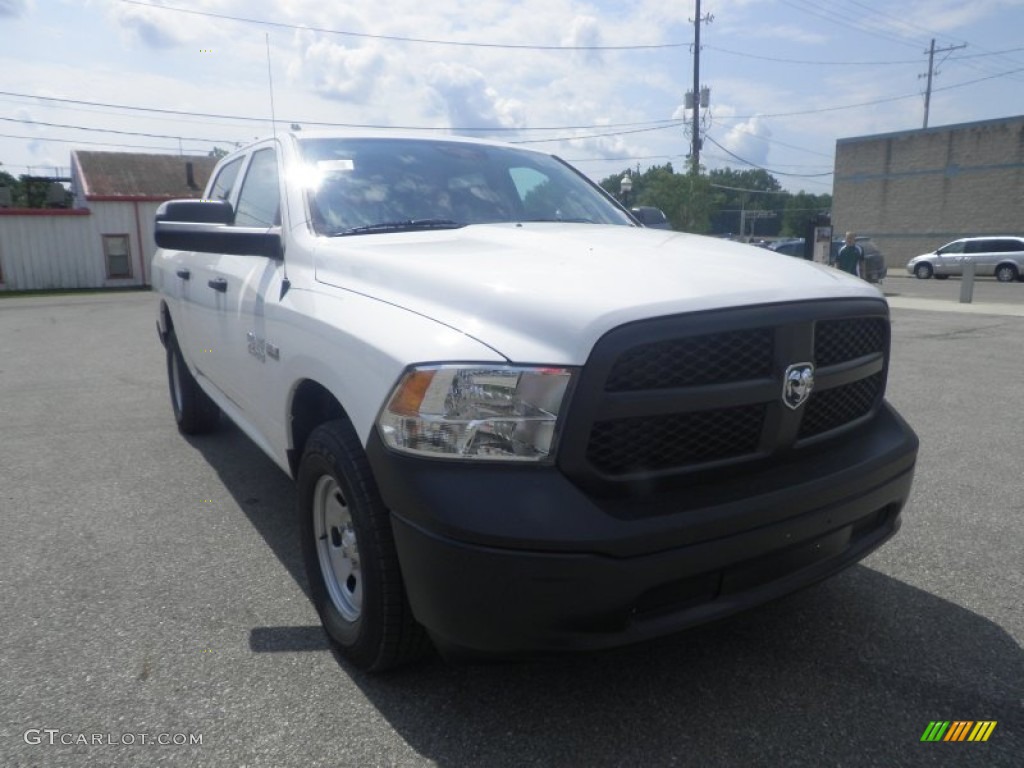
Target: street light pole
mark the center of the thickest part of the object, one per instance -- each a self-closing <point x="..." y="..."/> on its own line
<point x="625" y="187"/>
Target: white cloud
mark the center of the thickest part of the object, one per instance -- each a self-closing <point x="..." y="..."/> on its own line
<point x="337" y="71"/>
<point x="749" y="140"/>
<point x="470" y="102"/>
<point x="584" y="31"/>
<point x="13" y="8"/>
<point x="153" y="28"/>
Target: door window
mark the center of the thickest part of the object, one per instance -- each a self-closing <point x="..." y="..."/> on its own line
<point x="225" y="181"/>
<point x="259" y="203"/>
<point x="1008" y="246"/>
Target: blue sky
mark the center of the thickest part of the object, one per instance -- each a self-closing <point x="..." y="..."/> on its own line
<point x="599" y="83"/>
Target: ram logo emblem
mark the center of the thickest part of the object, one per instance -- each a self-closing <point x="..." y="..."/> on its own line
<point x="797" y="384"/>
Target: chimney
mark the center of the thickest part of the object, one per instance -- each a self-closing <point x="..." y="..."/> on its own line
<point x="190" y="176"/>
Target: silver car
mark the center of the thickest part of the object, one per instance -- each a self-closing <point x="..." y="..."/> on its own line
<point x="1001" y="256"/>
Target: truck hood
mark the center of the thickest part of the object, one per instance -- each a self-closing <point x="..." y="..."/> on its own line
<point x="545" y="292"/>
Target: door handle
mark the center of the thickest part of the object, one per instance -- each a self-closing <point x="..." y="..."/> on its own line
<point x="218" y="284"/>
<point x="184" y="274"/>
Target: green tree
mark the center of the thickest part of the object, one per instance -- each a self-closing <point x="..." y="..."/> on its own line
<point x="801" y="210"/>
<point x="17" y="191"/>
<point x="685" y="199"/>
<point x="29" y="191"/>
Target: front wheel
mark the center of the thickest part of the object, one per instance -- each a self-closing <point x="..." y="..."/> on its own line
<point x="923" y="271"/>
<point x="349" y="551"/>
<point x="1006" y="273"/>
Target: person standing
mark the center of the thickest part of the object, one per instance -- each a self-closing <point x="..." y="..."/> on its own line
<point x="851" y="257"/>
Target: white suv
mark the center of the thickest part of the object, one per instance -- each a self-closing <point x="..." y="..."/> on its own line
<point x="517" y="421"/>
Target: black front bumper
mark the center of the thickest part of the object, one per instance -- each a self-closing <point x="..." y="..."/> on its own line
<point x="509" y="558"/>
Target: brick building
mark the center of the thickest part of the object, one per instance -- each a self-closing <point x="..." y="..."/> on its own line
<point x="916" y="190"/>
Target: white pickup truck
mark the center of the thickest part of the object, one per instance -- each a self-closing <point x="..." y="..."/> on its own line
<point x="518" y="421"/>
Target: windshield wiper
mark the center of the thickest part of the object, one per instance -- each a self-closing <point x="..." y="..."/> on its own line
<point x="409" y="225"/>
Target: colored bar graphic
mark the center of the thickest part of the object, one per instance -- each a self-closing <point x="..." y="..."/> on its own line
<point x="959" y="730"/>
<point x="982" y="730"/>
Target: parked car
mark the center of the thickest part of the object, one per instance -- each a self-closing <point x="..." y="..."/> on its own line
<point x="651" y="217"/>
<point x="874" y="262"/>
<point x="792" y="247"/>
<point x="1001" y="256"/>
<point x="518" y="421"/>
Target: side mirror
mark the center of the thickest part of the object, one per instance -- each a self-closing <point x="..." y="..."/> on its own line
<point x="205" y="226"/>
<point x="196" y="211"/>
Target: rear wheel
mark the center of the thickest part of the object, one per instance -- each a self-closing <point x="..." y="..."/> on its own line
<point x="194" y="411"/>
<point x="347" y="544"/>
<point x="923" y="271"/>
<point x="1006" y="273"/>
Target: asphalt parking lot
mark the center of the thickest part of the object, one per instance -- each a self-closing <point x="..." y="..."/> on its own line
<point x="153" y="591"/>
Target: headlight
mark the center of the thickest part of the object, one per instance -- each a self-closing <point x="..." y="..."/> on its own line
<point x="476" y="411"/>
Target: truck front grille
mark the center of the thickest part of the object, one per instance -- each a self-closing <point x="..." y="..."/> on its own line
<point x="836" y="407"/>
<point x="620" y="446"/>
<point x="676" y="395"/>
<point x="707" y="359"/>
<point x="837" y="341"/>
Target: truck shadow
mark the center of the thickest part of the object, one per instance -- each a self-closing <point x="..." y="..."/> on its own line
<point x="260" y="488"/>
<point x="850" y="671"/>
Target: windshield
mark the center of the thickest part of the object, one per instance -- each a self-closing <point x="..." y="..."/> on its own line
<point x="366" y="186"/>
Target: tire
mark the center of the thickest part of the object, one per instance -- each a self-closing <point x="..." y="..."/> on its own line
<point x="194" y="411"/>
<point x="354" y="576"/>
<point x="1006" y="273"/>
<point x="941" y="277"/>
<point x="923" y="271"/>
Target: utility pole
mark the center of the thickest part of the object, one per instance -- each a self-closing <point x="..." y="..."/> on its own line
<point x="700" y="97"/>
<point x="931" y="65"/>
<point x="695" y="151"/>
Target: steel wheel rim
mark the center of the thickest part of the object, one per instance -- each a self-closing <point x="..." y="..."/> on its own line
<point x="337" y="548"/>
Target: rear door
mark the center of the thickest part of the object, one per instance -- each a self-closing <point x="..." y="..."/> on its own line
<point x="985" y="255"/>
<point x="195" y="324"/>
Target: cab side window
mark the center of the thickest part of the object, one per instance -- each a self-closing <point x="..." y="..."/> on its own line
<point x="225" y="181"/>
<point x="259" y="203"/>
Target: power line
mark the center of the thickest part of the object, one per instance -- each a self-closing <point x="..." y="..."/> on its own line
<point x="863" y="25"/>
<point x="113" y="130"/>
<point x="762" y="168"/>
<point x="747" y="55"/>
<point x="628" y="130"/>
<point x="400" y="39"/>
<point x="828" y="13"/>
<point x="666" y="122"/>
<point x="103" y="144"/>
